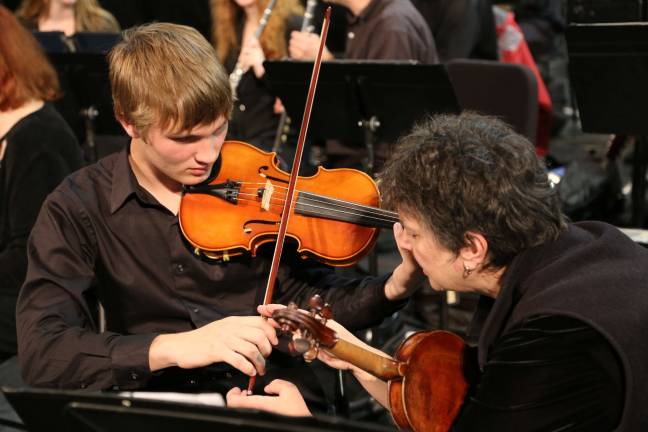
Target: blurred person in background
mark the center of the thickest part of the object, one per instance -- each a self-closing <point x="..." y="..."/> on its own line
<point x="235" y="22"/>
<point x="37" y="150"/>
<point x="376" y="30"/>
<point x="461" y="28"/>
<point x="68" y="16"/>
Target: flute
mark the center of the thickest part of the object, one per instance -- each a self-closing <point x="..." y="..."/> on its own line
<point x="237" y="73"/>
<point x="284" y="121"/>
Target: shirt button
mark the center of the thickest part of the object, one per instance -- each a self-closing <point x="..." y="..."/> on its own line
<point x="242" y="107"/>
<point x="195" y="310"/>
<point x="351" y="35"/>
<point x="83" y="385"/>
<point x="134" y="376"/>
<point x="180" y="268"/>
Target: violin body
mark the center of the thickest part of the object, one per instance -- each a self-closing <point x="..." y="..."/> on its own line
<point x="431" y="391"/>
<point x="240" y="209"/>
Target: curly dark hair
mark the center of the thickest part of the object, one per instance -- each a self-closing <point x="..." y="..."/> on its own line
<point x="469" y="172"/>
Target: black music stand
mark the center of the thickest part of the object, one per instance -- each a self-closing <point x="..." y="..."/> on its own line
<point x="608" y="65"/>
<point x="362" y="101"/>
<point x="53" y="41"/>
<point x="83" y="71"/>
<point x="76" y="411"/>
<point x="95" y="43"/>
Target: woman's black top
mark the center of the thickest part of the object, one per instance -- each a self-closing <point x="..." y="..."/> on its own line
<point x="552" y="373"/>
<point x="253" y="118"/>
<point x="40" y="151"/>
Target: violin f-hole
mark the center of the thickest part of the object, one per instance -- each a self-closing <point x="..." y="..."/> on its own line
<point x="248" y="230"/>
<point x="269" y="177"/>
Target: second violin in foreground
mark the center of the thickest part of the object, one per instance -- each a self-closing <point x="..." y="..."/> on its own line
<point x="428" y="377"/>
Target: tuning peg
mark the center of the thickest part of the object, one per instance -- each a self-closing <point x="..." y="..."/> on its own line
<point x="301" y="345"/>
<point x="316" y="302"/>
<point x="326" y="312"/>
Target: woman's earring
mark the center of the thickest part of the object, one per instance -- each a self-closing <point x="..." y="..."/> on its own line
<point x="467" y="271"/>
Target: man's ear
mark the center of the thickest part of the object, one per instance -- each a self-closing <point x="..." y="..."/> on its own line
<point x="474" y="253"/>
<point x="130" y="129"/>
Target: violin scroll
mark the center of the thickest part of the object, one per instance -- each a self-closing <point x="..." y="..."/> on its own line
<point x="309" y="328"/>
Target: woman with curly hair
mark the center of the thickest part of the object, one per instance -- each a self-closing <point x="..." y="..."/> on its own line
<point x="235" y="22"/>
<point x="68" y="16"/>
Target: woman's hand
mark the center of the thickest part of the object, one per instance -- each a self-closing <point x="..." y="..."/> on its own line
<point x="326" y="357"/>
<point x="408" y="276"/>
<point x="376" y="387"/>
<point x="252" y="56"/>
<point x="287" y="400"/>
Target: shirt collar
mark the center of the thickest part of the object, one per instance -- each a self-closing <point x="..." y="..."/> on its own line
<point x="124" y="182"/>
<point x="365" y="14"/>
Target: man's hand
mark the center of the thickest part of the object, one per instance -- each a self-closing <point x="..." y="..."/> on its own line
<point x="242" y="342"/>
<point x="408" y="276"/>
<point x="288" y="401"/>
<point x="304" y="46"/>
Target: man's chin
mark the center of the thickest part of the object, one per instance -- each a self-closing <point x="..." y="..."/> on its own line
<point x="192" y="180"/>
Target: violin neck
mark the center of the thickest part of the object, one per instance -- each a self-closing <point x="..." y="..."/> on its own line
<point x="311" y="204"/>
<point x="375" y="364"/>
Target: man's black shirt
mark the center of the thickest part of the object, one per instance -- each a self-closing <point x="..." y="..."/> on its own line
<point x="101" y="235"/>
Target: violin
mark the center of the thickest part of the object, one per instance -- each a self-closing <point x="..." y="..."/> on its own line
<point x="334" y="215"/>
<point x="427" y="377"/>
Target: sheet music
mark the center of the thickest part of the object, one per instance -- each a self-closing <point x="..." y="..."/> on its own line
<point x="637" y="235"/>
<point x="210" y="399"/>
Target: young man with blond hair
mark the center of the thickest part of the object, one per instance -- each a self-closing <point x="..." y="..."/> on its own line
<point x="110" y="233"/>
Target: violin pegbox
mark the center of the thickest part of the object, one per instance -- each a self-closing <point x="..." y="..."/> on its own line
<point x="308" y="328"/>
<point x="320" y="310"/>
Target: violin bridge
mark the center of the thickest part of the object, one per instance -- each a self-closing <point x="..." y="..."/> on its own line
<point x="267" y="195"/>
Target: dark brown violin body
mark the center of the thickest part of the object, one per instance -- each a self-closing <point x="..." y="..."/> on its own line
<point x="333" y="216"/>
<point x="429" y="394"/>
<point x="427" y="383"/>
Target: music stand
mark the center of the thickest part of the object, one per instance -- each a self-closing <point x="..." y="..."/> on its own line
<point x="83" y="72"/>
<point x="608" y="65"/>
<point x="362" y="101"/>
<point x="53" y="41"/>
<point x="76" y="411"/>
<point x="95" y="43"/>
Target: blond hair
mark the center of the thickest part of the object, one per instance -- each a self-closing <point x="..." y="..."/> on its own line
<point x="167" y="75"/>
<point x="88" y="15"/>
<point x="226" y="13"/>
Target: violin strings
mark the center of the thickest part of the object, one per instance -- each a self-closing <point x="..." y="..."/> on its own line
<point x="336" y="202"/>
<point x="334" y="211"/>
<point x="308" y="202"/>
<point x="354" y="209"/>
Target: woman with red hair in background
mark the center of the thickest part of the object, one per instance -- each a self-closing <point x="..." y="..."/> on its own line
<point x="37" y="150"/>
